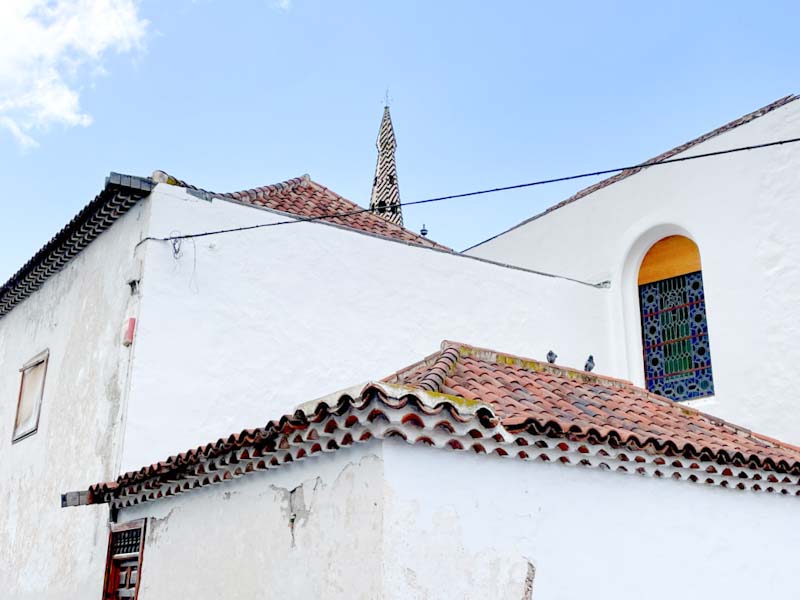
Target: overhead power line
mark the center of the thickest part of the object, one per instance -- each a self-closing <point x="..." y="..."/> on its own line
<point x="341" y="215"/>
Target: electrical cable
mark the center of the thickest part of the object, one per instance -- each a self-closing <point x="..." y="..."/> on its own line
<point x="518" y="186"/>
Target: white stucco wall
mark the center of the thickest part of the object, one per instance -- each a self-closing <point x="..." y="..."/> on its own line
<point x="742" y="210"/>
<point x="46" y="551"/>
<point x="460" y="525"/>
<point x="310" y="530"/>
<point x="241" y="328"/>
<point x="387" y="520"/>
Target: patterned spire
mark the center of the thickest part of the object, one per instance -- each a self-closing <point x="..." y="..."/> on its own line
<point x="385" y="199"/>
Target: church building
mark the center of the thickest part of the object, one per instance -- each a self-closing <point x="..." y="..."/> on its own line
<point x="231" y="394"/>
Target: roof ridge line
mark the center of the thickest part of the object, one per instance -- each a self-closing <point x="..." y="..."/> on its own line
<point x="160" y="176"/>
<point x="432" y="381"/>
<point x="304" y="180"/>
<point x="326" y="190"/>
<point x="367" y="209"/>
<point x="500" y="358"/>
<point x="531" y="364"/>
<point x="271" y="188"/>
<point x="395" y="378"/>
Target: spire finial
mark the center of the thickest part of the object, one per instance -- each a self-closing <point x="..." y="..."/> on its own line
<point x="386" y="99"/>
<point x="385" y="200"/>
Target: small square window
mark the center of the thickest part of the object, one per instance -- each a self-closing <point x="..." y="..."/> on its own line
<point x="29" y="402"/>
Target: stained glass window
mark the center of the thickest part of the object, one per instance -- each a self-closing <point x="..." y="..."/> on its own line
<point x="677" y="357"/>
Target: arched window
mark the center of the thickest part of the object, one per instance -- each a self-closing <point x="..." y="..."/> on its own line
<point x="677" y="358"/>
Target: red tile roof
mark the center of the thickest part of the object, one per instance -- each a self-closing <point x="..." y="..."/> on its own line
<point x="468" y="398"/>
<point x="661" y="157"/>
<point x="304" y="197"/>
<point x="538" y="397"/>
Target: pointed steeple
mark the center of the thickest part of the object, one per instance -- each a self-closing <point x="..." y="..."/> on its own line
<point x="385" y="200"/>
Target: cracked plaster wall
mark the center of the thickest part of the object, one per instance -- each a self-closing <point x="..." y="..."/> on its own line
<point x="386" y="520"/>
<point x="742" y="210"/>
<point x="47" y="552"/>
<point x="312" y="529"/>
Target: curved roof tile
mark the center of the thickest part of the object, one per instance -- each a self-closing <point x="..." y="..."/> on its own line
<point x="468" y="398"/>
<point x="305" y="198"/>
<point x="527" y="394"/>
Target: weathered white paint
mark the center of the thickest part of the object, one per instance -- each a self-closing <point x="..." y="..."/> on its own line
<point x="242" y="327"/>
<point x="313" y="530"/>
<point x="742" y="210"/>
<point x="236" y="330"/>
<point x="458" y="525"/>
<point x="45" y="551"/>
<point x="387" y="520"/>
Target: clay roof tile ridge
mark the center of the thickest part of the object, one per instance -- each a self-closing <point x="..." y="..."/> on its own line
<point x="282" y="199"/>
<point x="432" y="381"/>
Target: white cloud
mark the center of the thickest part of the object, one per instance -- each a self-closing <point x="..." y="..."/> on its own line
<point x="46" y="46"/>
<point x="284" y="5"/>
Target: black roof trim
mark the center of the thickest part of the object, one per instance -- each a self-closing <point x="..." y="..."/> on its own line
<point x="120" y="193"/>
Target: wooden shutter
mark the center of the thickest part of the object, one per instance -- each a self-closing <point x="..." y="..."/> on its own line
<point x="124" y="563"/>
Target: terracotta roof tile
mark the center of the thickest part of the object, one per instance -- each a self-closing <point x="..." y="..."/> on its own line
<point x="532" y="395"/>
<point x="306" y="198"/>
<point x="467" y="398"/>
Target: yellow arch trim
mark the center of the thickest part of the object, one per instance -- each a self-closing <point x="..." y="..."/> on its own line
<point x="672" y="256"/>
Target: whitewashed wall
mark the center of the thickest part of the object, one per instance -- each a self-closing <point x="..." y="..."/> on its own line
<point x="468" y="526"/>
<point x="241" y="328"/>
<point x="46" y="551"/>
<point x="742" y="210"/>
<point x="386" y="520"/>
<point x="312" y="530"/>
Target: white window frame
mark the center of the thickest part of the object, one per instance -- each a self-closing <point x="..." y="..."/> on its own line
<point x="33" y="427"/>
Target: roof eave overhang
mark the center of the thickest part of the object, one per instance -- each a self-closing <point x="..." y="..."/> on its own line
<point x="118" y="196"/>
<point x="386" y="411"/>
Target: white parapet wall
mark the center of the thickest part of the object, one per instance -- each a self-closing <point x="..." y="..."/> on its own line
<point x="239" y="328"/>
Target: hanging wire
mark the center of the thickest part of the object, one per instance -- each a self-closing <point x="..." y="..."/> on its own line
<point x="343" y="215"/>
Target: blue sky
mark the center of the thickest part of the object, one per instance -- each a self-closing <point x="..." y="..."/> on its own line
<point x="234" y="94"/>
